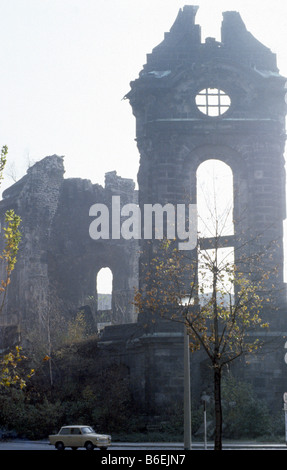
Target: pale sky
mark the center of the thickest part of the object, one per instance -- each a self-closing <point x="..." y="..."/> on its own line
<point x="67" y="64"/>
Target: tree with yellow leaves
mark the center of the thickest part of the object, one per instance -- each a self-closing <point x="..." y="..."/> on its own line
<point x="12" y="238"/>
<point x="219" y="301"/>
<point x="9" y="374"/>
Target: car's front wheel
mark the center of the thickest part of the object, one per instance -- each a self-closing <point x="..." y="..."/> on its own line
<point x="89" y="446"/>
<point x="60" y="446"/>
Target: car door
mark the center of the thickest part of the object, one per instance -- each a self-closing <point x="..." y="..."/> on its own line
<point x="75" y="437"/>
<point x="65" y="436"/>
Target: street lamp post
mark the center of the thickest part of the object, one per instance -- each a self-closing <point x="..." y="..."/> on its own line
<point x="285" y="412"/>
<point x="187" y="401"/>
<point x="205" y="398"/>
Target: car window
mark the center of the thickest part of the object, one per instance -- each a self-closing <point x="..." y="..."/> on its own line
<point x="65" y="431"/>
<point x="75" y="431"/>
<point x="87" y="430"/>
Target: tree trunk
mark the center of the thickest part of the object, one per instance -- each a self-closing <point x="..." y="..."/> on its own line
<point x="218" y="408"/>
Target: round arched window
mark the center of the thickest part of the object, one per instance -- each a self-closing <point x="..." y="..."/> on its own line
<point x="212" y="101"/>
<point x="104" y="288"/>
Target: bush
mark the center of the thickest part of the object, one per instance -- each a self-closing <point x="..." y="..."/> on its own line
<point x="33" y="421"/>
<point x="244" y="415"/>
<point x="85" y="391"/>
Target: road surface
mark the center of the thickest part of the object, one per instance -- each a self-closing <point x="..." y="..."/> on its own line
<point x="43" y="445"/>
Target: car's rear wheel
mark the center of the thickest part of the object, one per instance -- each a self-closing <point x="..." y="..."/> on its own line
<point x="60" y="446"/>
<point x="89" y="446"/>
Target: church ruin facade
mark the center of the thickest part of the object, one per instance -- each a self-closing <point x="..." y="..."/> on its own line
<point x="192" y="102"/>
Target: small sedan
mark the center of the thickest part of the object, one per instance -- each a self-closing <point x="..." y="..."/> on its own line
<point x="79" y="436"/>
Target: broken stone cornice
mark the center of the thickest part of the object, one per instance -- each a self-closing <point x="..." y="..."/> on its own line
<point x="183" y="43"/>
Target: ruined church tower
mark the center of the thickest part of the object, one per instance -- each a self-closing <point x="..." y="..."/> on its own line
<point x="196" y="101"/>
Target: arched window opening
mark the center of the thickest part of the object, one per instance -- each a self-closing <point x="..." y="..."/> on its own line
<point x="104" y="289"/>
<point x="216" y="229"/>
<point x="215" y="199"/>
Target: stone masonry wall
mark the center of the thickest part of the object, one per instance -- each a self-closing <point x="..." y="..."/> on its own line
<point x="58" y="262"/>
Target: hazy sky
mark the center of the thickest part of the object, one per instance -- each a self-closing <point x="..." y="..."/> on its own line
<point x="67" y="64"/>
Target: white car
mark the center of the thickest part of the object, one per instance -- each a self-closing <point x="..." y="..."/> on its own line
<point x="79" y="436"/>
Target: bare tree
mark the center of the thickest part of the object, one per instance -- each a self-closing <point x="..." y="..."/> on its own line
<point x="220" y="301"/>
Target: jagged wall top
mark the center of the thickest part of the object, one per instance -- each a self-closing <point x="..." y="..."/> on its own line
<point x="183" y="44"/>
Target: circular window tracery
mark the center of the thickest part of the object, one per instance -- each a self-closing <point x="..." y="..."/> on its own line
<point x="212" y="101"/>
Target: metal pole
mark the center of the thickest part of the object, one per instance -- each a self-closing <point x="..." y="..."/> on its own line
<point x="204" y="418"/>
<point x="285" y="411"/>
<point x="187" y="401"/>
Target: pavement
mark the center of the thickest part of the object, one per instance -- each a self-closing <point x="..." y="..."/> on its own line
<point x="19" y="444"/>
<point x="246" y="445"/>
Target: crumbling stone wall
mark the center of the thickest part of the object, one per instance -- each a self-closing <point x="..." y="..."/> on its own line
<point x="58" y="261"/>
<point x="35" y="199"/>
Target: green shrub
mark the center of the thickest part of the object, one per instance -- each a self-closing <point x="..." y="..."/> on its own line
<point x="244" y="415"/>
